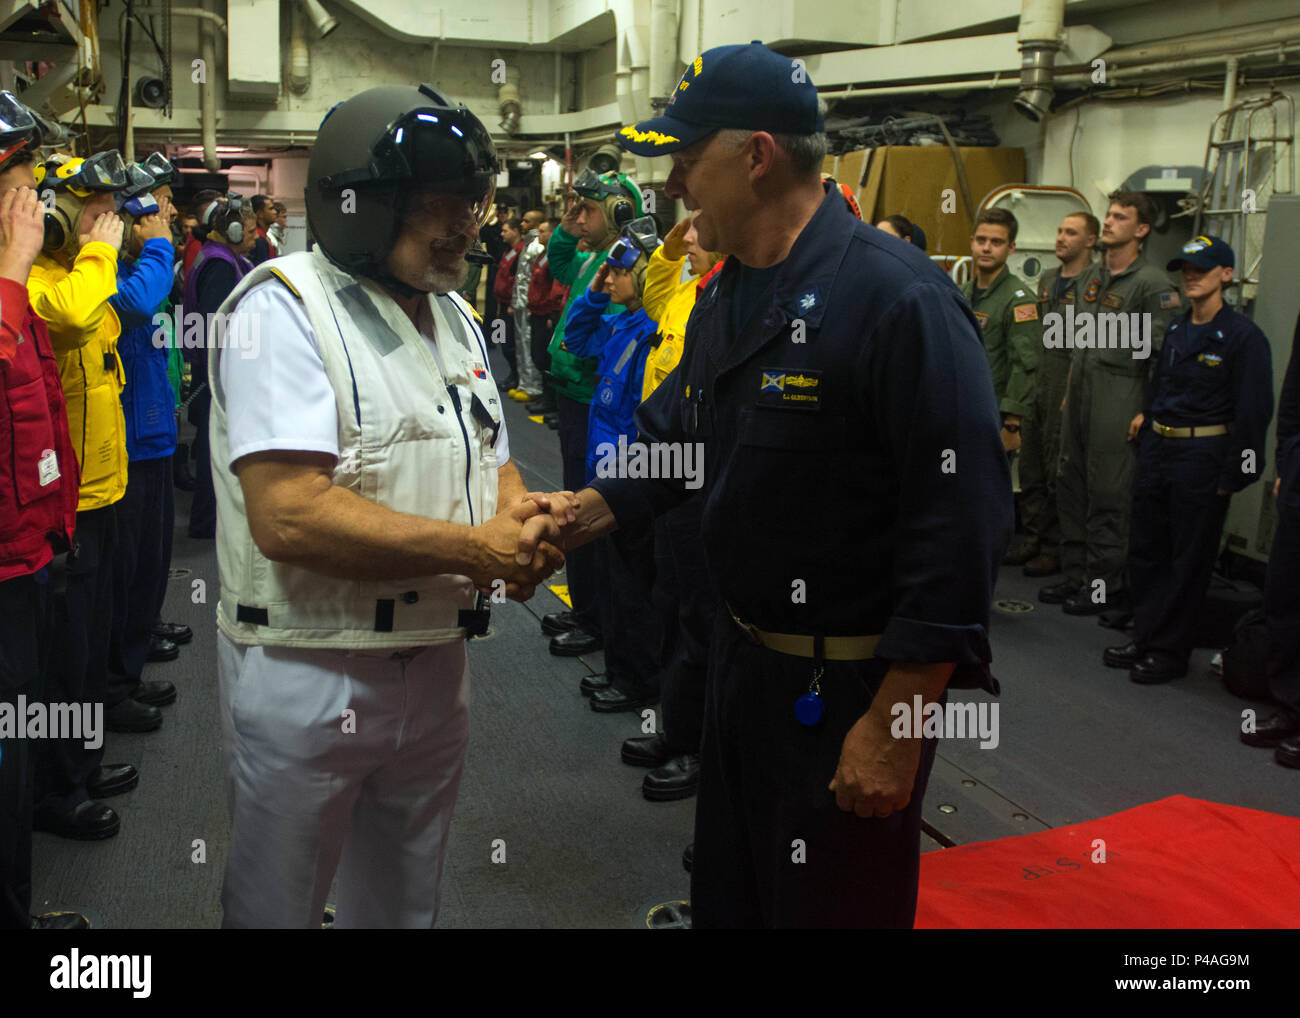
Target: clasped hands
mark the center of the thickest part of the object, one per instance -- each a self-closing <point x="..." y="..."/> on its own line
<point x="524" y="543"/>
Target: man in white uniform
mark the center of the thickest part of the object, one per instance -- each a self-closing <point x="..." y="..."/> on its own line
<point x="360" y="458"/>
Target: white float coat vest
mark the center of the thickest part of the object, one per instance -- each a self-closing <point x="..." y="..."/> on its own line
<point x="406" y="441"/>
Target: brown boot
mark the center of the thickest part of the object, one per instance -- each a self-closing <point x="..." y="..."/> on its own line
<point x="1042" y="564"/>
<point x="1020" y="552"/>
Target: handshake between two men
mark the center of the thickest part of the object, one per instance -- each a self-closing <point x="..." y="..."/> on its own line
<point x="527" y="539"/>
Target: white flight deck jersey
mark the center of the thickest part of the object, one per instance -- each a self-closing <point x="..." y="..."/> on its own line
<point x="414" y="436"/>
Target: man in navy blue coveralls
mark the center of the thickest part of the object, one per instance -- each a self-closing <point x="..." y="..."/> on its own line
<point x="855" y="487"/>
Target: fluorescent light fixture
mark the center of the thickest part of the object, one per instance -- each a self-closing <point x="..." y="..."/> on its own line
<point x="398" y="139"/>
<point x="428" y="116"/>
<point x="539" y="154"/>
<point x="219" y="148"/>
<point x="458" y="132"/>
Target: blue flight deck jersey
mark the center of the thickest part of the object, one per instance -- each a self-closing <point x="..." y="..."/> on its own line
<point x="851" y="442"/>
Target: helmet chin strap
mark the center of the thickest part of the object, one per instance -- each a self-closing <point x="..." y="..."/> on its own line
<point x="391" y="282"/>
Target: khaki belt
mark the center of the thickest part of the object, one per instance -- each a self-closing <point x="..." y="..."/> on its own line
<point x="834" y="648"/>
<point x="1200" y="431"/>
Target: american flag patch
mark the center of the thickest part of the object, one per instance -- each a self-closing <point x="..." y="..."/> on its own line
<point x="1026" y="312"/>
<point x="1170" y="300"/>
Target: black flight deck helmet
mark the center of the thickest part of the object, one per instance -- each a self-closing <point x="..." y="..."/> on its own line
<point x="383" y="145"/>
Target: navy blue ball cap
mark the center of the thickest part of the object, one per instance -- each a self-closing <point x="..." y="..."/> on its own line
<point x="748" y="87"/>
<point x="1205" y="252"/>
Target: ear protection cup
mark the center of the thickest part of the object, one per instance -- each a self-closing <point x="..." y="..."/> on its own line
<point x="61" y="225"/>
<point x="56" y="232"/>
<point x="624" y="213"/>
<point x="226" y="217"/>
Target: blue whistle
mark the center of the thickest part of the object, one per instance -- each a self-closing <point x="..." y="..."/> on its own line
<point x="808" y="709"/>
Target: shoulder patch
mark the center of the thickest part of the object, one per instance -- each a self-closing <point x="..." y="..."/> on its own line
<point x="1026" y="312"/>
<point x="1112" y="299"/>
<point x="1090" y="295"/>
<point x="282" y="278"/>
<point x="1170" y="300"/>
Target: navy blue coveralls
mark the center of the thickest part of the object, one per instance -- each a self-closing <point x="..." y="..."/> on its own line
<point x="854" y="484"/>
<point x="1217" y="373"/>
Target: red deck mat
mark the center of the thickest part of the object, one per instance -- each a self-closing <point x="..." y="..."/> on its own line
<point x="1179" y="863"/>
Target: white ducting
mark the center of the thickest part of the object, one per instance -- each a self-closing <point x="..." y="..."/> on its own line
<point x="508" y="102"/>
<point x="324" y="21"/>
<point x="1041" y="25"/>
<point x="299" y="54"/>
<point x="207" y="93"/>
<point x="639" y="65"/>
<point x="664" y="67"/>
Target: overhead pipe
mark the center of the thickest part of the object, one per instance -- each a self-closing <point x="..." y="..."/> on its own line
<point x="1073" y="78"/>
<point x="508" y="101"/>
<point x="1230" y="82"/>
<point x="1041" y="25"/>
<point x="207" y="92"/>
<point x="638" y="65"/>
<point x="1219" y="41"/>
<point x="663" y="66"/>
<point x="299" y="54"/>
<point x="208" y="21"/>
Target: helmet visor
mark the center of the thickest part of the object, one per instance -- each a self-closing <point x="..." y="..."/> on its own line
<point x="643" y="233"/>
<point x="591" y="185"/>
<point x="159" y="168"/>
<point x="15" y="118"/>
<point x="442" y="216"/>
<point x="434" y="149"/>
<point x="138" y="181"/>
<point x="104" y="171"/>
<point x="623" y="254"/>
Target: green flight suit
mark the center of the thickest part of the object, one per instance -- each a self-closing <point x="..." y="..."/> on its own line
<point x="1106" y="391"/>
<point x="1040" y="449"/>
<point x="1008" y="315"/>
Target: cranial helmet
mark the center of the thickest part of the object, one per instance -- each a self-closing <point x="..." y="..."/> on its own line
<point x="377" y="149"/>
<point x="74" y="181"/>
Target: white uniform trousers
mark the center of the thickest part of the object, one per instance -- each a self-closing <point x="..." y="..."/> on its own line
<point x="312" y="790"/>
<point x="530" y="377"/>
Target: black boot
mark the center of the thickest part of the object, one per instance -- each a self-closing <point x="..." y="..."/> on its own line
<point x="182" y="476"/>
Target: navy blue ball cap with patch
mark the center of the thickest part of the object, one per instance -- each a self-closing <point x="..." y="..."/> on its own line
<point x="747" y="87"/>
<point x="1205" y="252"/>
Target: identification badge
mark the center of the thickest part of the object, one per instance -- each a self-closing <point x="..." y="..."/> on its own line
<point x="1090" y="294"/>
<point x="47" y="467"/>
<point x="982" y="318"/>
<point x="790" y="390"/>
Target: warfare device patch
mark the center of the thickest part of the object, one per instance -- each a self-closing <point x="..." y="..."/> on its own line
<point x="791" y="390"/>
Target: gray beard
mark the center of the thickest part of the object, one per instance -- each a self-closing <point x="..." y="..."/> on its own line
<point x="440" y="280"/>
